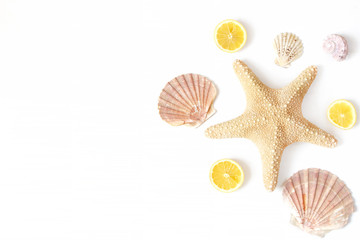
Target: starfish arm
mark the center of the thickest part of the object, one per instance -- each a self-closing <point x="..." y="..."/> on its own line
<point x="250" y="82"/>
<point x="271" y="148"/>
<point x="308" y="132"/>
<point x="294" y="93"/>
<point x="270" y="168"/>
<point x="239" y="127"/>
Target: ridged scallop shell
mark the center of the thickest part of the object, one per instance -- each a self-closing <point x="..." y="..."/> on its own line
<point x="187" y="100"/>
<point x="288" y="48"/>
<point x="319" y="201"/>
<point x="337" y="46"/>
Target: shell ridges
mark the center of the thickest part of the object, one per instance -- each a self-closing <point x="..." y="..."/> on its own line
<point x="288" y="48"/>
<point x="319" y="201"/>
<point x="187" y="100"/>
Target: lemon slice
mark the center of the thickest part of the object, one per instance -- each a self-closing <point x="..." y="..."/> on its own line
<point x="342" y="114"/>
<point x="226" y="175"/>
<point x="230" y="36"/>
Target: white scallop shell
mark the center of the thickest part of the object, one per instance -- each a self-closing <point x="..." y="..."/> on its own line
<point x="319" y="201"/>
<point x="288" y="48"/>
<point x="187" y="100"/>
<point x="337" y="46"/>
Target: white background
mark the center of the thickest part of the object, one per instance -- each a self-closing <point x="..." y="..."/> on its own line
<point x="84" y="153"/>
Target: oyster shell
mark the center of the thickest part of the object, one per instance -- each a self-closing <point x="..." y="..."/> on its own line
<point x="187" y="100"/>
<point x="288" y="48"/>
<point x="319" y="201"/>
<point x="337" y="46"/>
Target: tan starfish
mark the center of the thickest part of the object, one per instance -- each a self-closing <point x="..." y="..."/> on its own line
<point x="272" y="120"/>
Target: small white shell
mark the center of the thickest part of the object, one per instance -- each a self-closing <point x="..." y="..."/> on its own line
<point x="288" y="48"/>
<point x="187" y="100"/>
<point x="337" y="46"/>
<point x="319" y="201"/>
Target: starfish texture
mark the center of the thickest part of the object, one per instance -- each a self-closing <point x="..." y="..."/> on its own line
<point x="272" y="120"/>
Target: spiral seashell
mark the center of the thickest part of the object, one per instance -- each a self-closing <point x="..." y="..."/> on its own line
<point x="337" y="46"/>
<point x="187" y="100"/>
<point x="288" y="48"/>
<point x="319" y="201"/>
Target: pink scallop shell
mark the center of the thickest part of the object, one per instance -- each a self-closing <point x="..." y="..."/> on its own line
<point x="187" y="100"/>
<point x="319" y="201"/>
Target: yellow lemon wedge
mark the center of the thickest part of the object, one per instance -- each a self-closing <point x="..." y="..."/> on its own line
<point x="342" y="114"/>
<point x="226" y="175"/>
<point x="230" y="36"/>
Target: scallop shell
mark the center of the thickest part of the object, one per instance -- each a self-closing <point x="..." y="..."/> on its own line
<point x="319" y="200"/>
<point x="337" y="46"/>
<point x="187" y="100"/>
<point x="288" y="48"/>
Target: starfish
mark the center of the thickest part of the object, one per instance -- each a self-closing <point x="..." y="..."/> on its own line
<point x="272" y="120"/>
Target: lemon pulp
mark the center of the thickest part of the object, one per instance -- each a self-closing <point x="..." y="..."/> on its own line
<point x="230" y="35"/>
<point x="226" y="175"/>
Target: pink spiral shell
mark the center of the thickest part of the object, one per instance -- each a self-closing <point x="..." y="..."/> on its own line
<point x="337" y="46"/>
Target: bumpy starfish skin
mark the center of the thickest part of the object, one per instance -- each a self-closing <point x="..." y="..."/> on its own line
<point x="272" y="120"/>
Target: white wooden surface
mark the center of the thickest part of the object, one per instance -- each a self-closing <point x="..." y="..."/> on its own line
<point x="84" y="153"/>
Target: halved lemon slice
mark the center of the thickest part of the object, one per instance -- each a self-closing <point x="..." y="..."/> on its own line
<point x="342" y="114"/>
<point x="226" y="175"/>
<point x="230" y="36"/>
